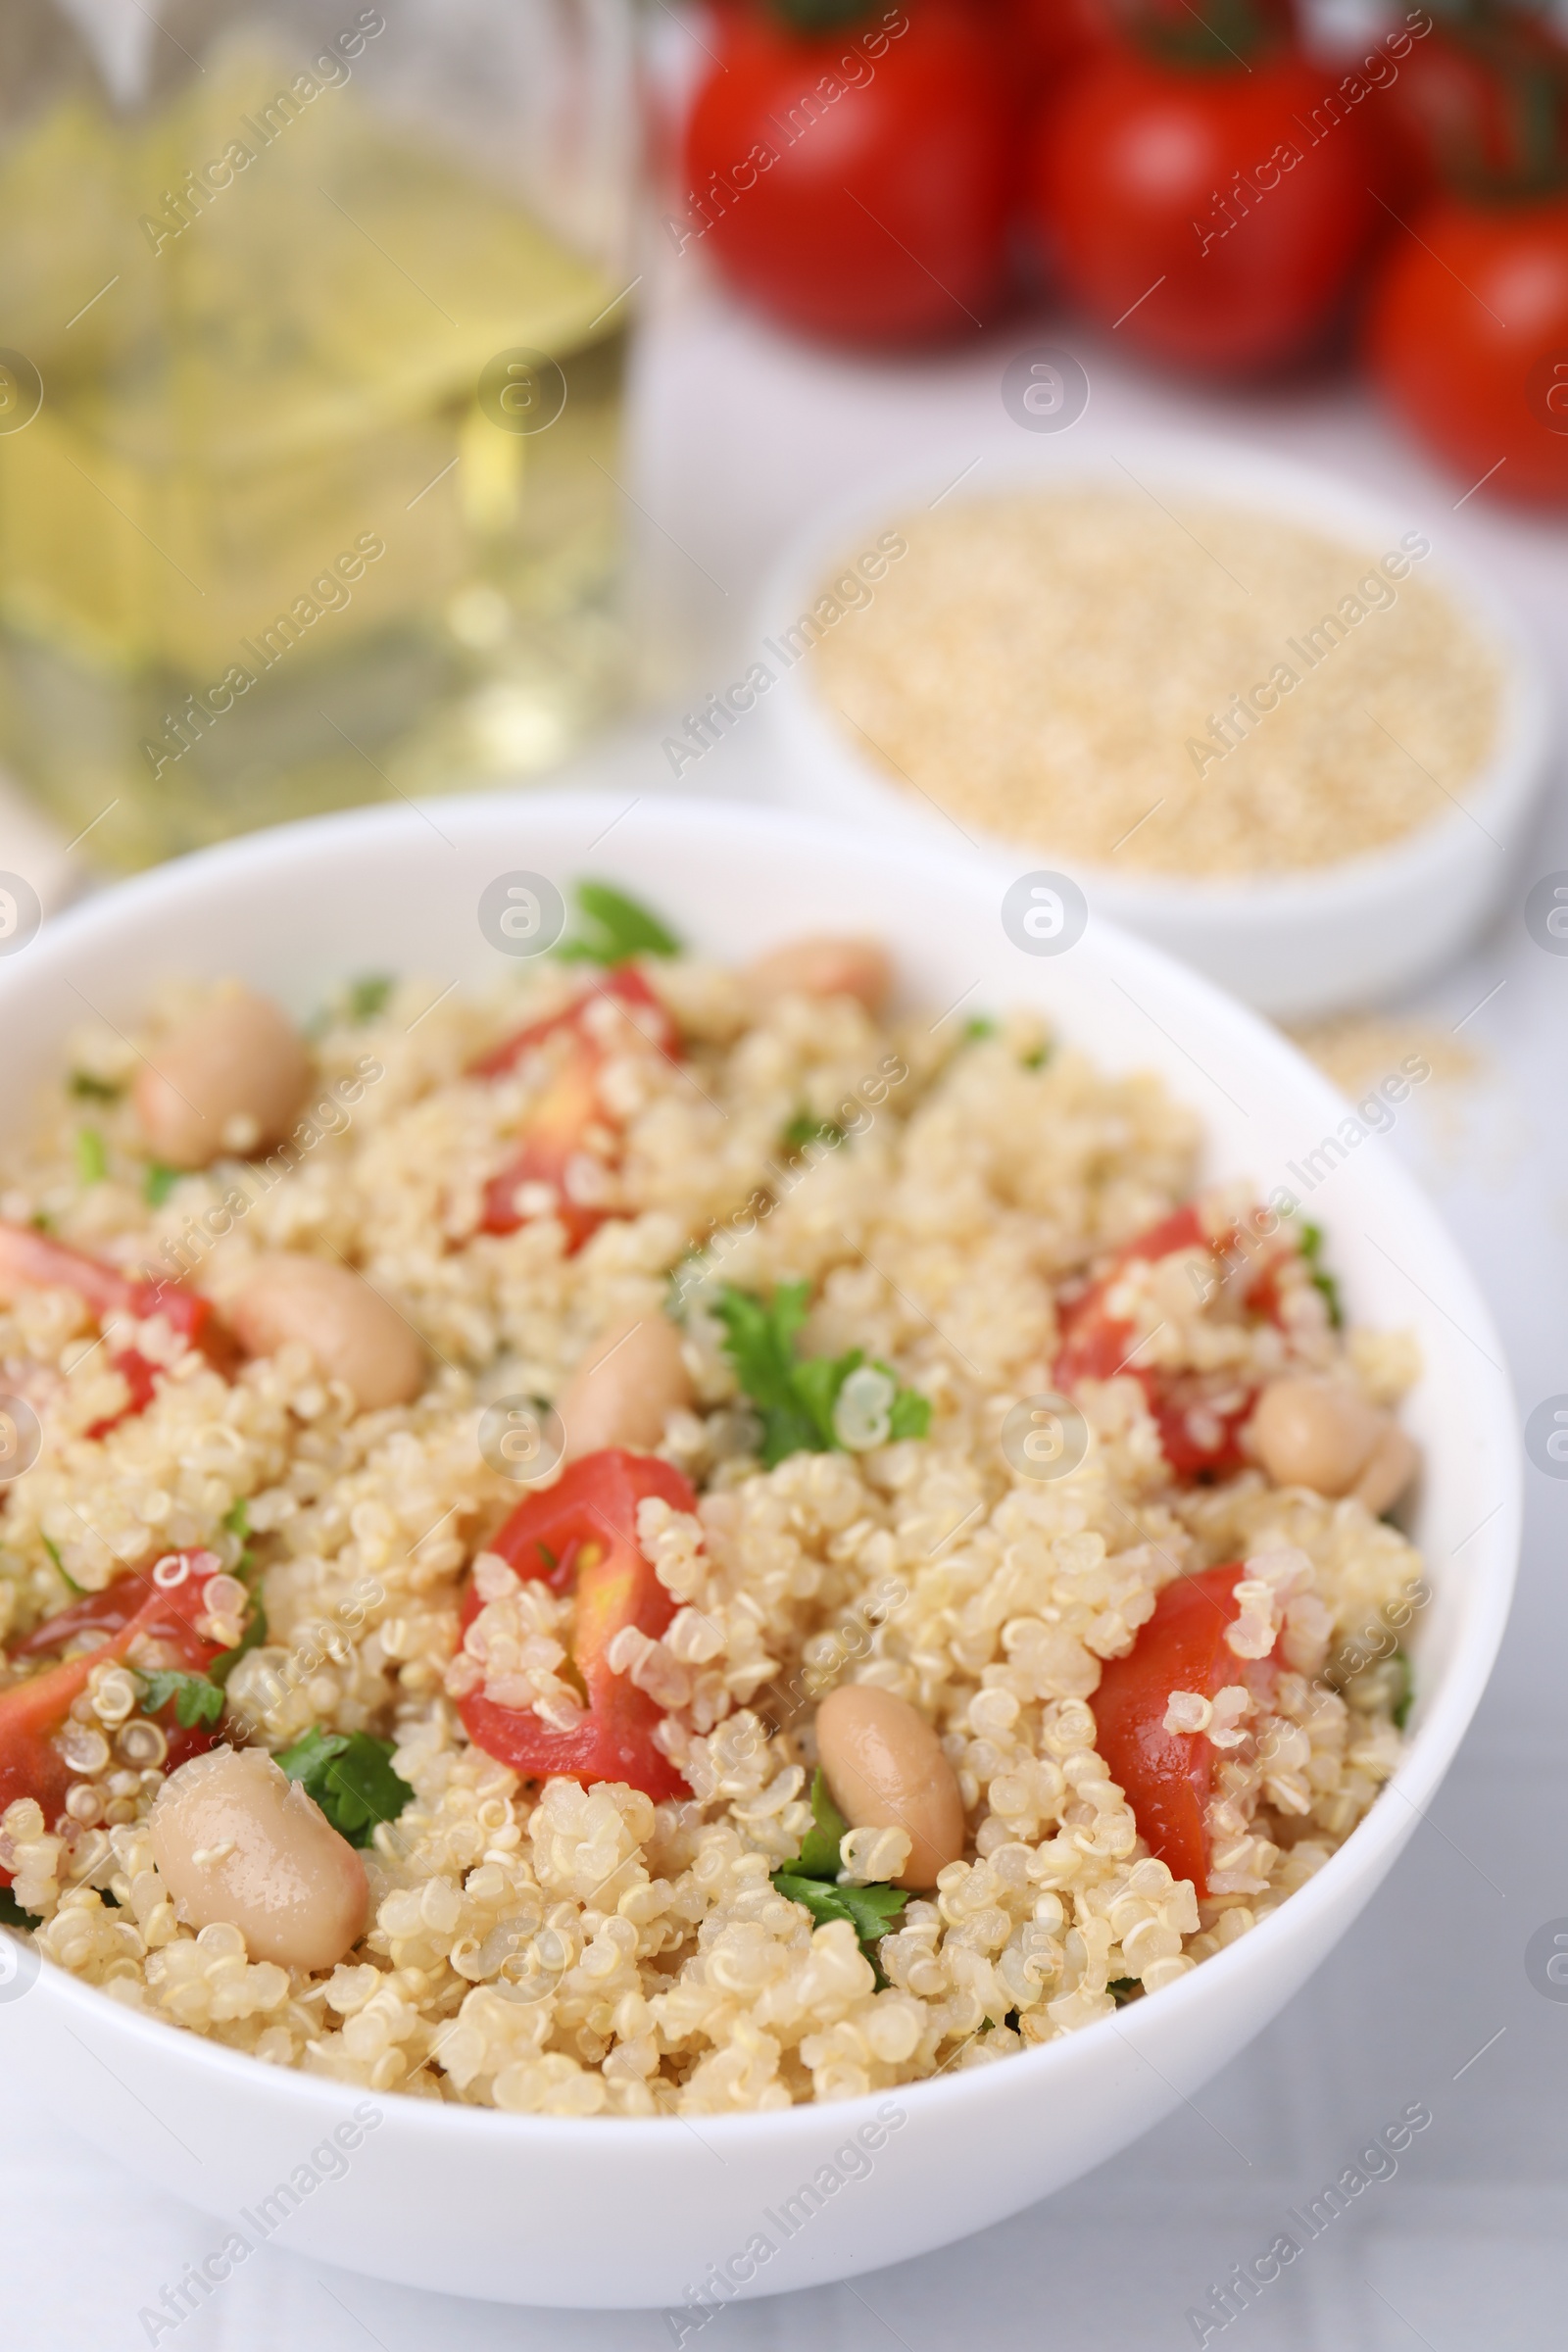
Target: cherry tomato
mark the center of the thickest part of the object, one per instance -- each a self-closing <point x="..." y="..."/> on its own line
<point x="581" y="1536"/>
<point x="1468" y="339"/>
<point x="1199" y="1416"/>
<point x="1481" y="97"/>
<point x="555" y="1151"/>
<point x="855" y="185"/>
<point x="1166" y="1776"/>
<point x="1048" y="39"/>
<point x="30" y="1261"/>
<point x="1202" y="214"/>
<point x="156" y="1621"/>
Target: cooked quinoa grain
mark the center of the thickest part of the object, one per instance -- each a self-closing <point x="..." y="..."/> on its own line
<point x="1188" y="688"/>
<point x="974" y="1219"/>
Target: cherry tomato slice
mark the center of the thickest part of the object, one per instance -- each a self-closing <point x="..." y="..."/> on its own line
<point x="134" y="1609"/>
<point x="30" y="1261"/>
<point x="1199" y="1436"/>
<point x="624" y="985"/>
<point x="1167" y="1776"/>
<point x="557" y="1124"/>
<point x="583" y="1534"/>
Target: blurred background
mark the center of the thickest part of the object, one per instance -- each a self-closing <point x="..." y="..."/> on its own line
<point x="397" y="398"/>
<point x="402" y="399"/>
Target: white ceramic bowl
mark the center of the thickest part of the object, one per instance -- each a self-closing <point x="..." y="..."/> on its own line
<point x="550" y="2211"/>
<point x="1294" y="946"/>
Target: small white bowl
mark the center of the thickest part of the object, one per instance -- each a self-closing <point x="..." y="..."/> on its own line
<point x="547" y="2210"/>
<point x="1294" y="946"/>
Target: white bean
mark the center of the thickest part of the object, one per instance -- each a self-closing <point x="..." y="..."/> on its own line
<point x="824" y="967"/>
<point x="1315" y="1433"/>
<point x="1395" y="1460"/>
<point x="237" y="1841"/>
<point x="353" y="1335"/>
<point x="887" y="1770"/>
<point x="230" y="1079"/>
<point x="625" y="1386"/>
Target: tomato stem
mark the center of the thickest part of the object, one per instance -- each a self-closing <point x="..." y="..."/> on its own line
<point x="811" y="18"/>
<point x="1206" y="36"/>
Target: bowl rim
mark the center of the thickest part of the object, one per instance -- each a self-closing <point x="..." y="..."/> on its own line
<point x="275" y="852"/>
<point x="1240" y="476"/>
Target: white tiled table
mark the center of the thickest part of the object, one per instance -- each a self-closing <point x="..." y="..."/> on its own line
<point x="736" y="435"/>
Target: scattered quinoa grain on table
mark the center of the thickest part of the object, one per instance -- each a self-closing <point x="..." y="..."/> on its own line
<point x="851" y="1564"/>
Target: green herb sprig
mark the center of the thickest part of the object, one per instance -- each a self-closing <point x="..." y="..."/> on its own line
<point x="796" y="1396"/>
<point x="197" y="1697"/>
<point x="53" y="1550"/>
<point x="350" y="1775"/>
<point x="616" y="928"/>
<point x="1312" y="1245"/>
<point x="811" y="1880"/>
<point x="805" y="1128"/>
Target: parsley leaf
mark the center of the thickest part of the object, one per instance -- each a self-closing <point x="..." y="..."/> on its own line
<point x="196" y="1698"/>
<point x="809" y="1879"/>
<point x="819" y="1858"/>
<point x="237" y="1518"/>
<point x="1311" y="1246"/>
<point x="804" y="1128"/>
<point x="87" y="1087"/>
<point x="11" y="1915"/>
<point x="618" y="927"/>
<point x="1406" y="1694"/>
<point x="53" y="1550"/>
<point x="909" y="1415"/>
<point x="797" y="1395"/>
<point x="223" y="1665"/>
<point x="159" y="1181"/>
<point x="760" y="1343"/>
<point x="92" y="1156"/>
<point x="350" y="1775"/>
<point x="978" y="1026"/>
<point x="366" y="996"/>
<point x="871" y="1911"/>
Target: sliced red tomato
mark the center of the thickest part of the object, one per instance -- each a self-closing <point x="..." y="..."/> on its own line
<point x="1200" y="1415"/>
<point x="554" y="1151"/>
<point x="31" y="1260"/>
<point x="154" y="1614"/>
<point x="1167" y="1776"/>
<point x="581" y="1536"/>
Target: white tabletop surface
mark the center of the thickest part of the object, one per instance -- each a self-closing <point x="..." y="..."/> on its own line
<point x="736" y="435"/>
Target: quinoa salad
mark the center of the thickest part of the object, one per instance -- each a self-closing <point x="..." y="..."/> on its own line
<point x="664" y="1540"/>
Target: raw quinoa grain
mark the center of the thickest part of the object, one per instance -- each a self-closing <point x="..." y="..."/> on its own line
<point x="1043" y="667"/>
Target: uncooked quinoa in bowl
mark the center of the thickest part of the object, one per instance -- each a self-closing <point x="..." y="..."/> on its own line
<point x="657" y="1540"/>
<point x="1279" y="726"/>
